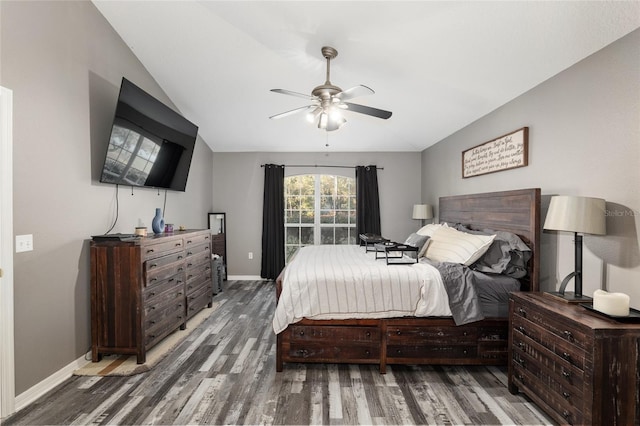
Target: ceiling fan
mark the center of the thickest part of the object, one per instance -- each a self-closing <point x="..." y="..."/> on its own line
<point x="328" y="101"/>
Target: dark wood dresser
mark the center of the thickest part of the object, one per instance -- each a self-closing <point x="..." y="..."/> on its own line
<point x="578" y="366"/>
<point x="143" y="289"/>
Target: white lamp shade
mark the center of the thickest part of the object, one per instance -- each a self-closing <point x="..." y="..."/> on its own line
<point x="422" y="211"/>
<point x="576" y="214"/>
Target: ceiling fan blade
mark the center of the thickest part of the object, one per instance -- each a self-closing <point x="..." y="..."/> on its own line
<point x="289" y="92"/>
<point x="293" y="111"/>
<point x="375" y="112"/>
<point x="354" y="92"/>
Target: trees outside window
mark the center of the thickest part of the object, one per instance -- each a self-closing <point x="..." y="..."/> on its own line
<point x="319" y="209"/>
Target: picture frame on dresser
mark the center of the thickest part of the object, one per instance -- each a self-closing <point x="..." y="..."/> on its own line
<point x="218" y="227"/>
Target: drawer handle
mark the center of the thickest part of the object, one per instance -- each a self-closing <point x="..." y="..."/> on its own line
<point x="150" y="251"/>
<point x="368" y="334"/>
<point x="180" y="269"/>
<point x="568" y="335"/>
<point x="151" y="294"/>
<point x="189" y="241"/>
<point x="189" y="253"/>
<point x="153" y="280"/>
<point x="521" y="345"/>
<point x="566" y="395"/>
<point x="367" y="352"/>
<point x="520" y="361"/>
<point x="465" y="352"/>
<point x="301" y="332"/>
<point x="152" y="322"/>
<point x="399" y="352"/>
<point x="398" y="332"/>
<point x="522" y="312"/>
<point x="465" y="333"/>
<point x="178" y="244"/>
<point x="180" y="257"/>
<point x="521" y="378"/>
<point x="566" y="414"/>
<point x="566" y="356"/>
<point x="521" y="330"/>
<point x="171" y="280"/>
<point x="440" y="334"/>
<point x="153" y="308"/>
<point x="189" y="277"/>
<point x="189" y="265"/>
<point x="207" y="268"/>
<point x="179" y="293"/>
<point x="566" y="374"/>
<point x="153" y="265"/>
<point x="302" y="352"/>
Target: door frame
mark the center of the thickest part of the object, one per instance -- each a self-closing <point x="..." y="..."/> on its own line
<point x="7" y="361"/>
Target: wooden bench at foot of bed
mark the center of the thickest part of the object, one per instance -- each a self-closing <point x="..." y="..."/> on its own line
<point x="435" y="341"/>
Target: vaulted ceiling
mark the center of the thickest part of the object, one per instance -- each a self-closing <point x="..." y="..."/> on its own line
<point x="438" y="66"/>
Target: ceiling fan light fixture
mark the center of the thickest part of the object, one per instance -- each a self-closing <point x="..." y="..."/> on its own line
<point x="328" y="101"/>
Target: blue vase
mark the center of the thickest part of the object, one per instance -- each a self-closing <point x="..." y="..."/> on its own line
<point x="157" y="224"/>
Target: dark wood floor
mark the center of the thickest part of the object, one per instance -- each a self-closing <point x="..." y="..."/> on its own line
<point x="225" y="374"/>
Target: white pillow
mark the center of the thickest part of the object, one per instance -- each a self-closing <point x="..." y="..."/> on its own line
<point x="429" y="229"/>
<point x="450" y="245"/>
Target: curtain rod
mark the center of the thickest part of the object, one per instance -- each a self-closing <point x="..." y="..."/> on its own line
<point x="320" y="165"/>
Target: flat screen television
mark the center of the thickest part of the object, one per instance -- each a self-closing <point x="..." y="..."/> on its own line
<point x="151" y="145"/>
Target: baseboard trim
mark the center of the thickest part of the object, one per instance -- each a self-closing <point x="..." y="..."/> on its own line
<point x="39" y="389"/>
<point x="245" y="278"/>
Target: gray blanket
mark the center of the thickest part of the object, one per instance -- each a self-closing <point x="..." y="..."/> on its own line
<point x="463" y="296"/>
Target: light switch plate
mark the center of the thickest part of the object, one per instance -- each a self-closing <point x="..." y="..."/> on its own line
<point x="24" y="243"/>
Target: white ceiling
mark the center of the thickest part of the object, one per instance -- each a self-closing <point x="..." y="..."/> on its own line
<point x="438" y="66"/>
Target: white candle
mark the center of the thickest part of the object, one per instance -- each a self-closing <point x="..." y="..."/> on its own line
<point x="616" y="304"/>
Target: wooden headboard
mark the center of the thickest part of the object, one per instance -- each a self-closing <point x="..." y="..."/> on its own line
<point x="514" y="211"/>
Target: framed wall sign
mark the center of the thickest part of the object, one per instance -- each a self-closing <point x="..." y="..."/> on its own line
<point x="505" y="152"/>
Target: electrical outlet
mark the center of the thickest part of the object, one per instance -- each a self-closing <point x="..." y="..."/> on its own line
<point x="24" y="243"/>
<point x="250" y="255"/>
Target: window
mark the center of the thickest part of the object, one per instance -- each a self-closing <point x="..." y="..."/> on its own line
<point x="319" y="209"/>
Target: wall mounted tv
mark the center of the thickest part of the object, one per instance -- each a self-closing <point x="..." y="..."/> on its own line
<point x="151" y="145"/>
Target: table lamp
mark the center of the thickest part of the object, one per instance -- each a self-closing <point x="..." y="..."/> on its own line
<point x="422" y="212"/>
<point x="580" y="215"/>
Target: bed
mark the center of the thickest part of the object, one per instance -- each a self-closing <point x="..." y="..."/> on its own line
<point x="435" y="335"/>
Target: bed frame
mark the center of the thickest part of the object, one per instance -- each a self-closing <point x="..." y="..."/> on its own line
<point x="431" y="340"/>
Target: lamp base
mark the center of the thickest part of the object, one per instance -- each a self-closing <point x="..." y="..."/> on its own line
<point x="568" y="297"/>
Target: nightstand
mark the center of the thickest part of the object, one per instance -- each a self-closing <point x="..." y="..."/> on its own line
<point x="578" y="366"/>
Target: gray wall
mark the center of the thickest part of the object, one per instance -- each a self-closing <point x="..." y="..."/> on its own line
<point x="584" y="139"/>
<point x="64" y="64"/>
<point x="238" y="182"/>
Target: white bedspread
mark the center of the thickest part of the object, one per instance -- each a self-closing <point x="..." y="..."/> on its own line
<point x="341" y="282"/>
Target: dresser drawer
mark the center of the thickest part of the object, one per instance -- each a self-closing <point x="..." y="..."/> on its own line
<point x="193" y="240"/>
<point x="159" y="314"/>
<point x="198" y="249"/>
<point x="198" y="300"/>
<point x="159" y="288"/>
<point x="563" y="400"/>
<point x="159" y="274"/>
<point x="160" y="262"/>
<point x="195" y="284"/>
<point x="567" y="331"/>
<point x="525" y="331"/>
<point x="198" y="257"/>
<point x="151" y="251"/>
<point x="334" y="352"/>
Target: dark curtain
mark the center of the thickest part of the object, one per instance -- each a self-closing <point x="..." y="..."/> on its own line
<point x="367" y="200"/>
<point x="273" y="222"/>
